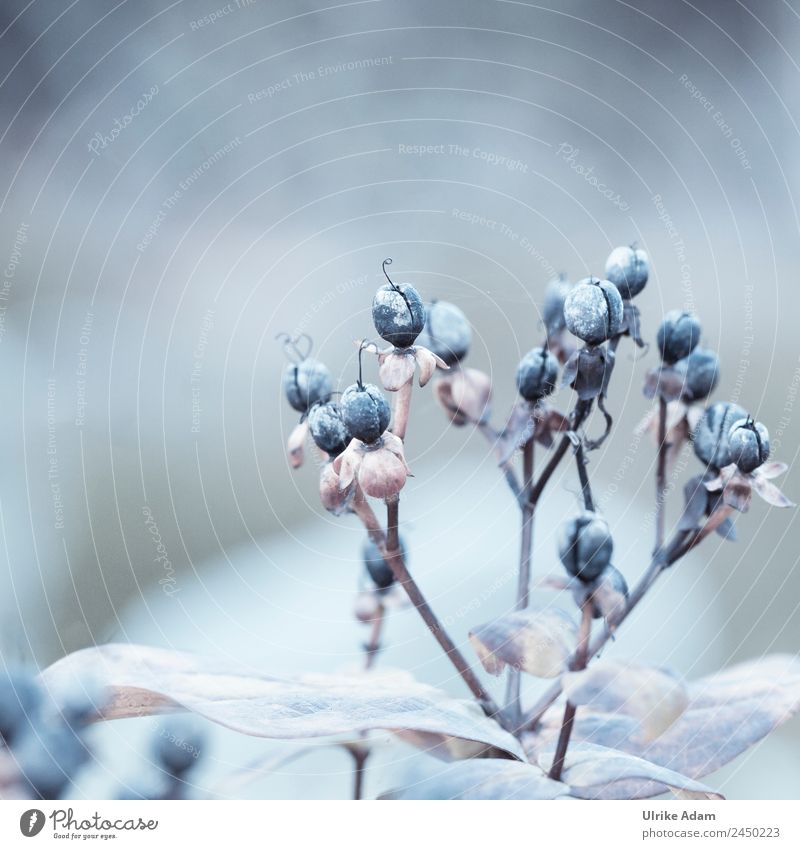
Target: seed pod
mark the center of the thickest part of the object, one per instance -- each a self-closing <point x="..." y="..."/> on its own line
<point x="365" y="412"/>
<point x="628" y="268"/>
<point x="585" y="546"/>
<point x="711" y="443"/>
<point x="593" y="311"/>
<point x="20" y="698"/>
<point x="48" y="758"/>
<point x="537" y="374"/>
<point x="553" y="307"/>
<point x="700" y="371"/>
<point x="398" y="312"/>
<point x="447" y="332"/>
<point x="178" y="747"/>
<point x="379" y="570"/>
<point x="328" y="429"/>
<point x="749" y="444"/>
<point x="306" y="383"/>
<point x="677" y="335"/>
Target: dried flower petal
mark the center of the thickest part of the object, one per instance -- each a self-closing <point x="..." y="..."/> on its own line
<point x="396" y="369"/>
<point x="381" y="473"/>
<point x="769" y="492"/>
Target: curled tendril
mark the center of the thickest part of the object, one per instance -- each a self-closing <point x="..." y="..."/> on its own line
<point x="388" y="261"/>
<point x="592" y="444"/>
<point x="363" y="344"/>
<point x="291" y="347"/>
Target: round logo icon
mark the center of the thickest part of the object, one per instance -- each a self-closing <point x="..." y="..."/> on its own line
<point x="31" y="822"/>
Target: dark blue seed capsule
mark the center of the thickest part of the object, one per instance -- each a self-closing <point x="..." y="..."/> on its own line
<point x="628" y="269"/>
<point x="20" y="699"/>
<point x="700" y="371"/>
<point x="749" y="444"/>
<point x="178" y="747"/>
<point x="365" y="411"/>
<point x="678" y="335"/>
<point x="378" y="569"/>
<point x="593" y="311"/>
<point x="711" y="442"/>
<point x="48" y="758"/>
<point x="328" y="429"/>
<point x="585" y="546"/>
<point x="306" y="383"/>
<point x="398" y="314"/>
<point x="537" y="374"/>
<point x="553" y="307"/>
<point x="447" y="332"/>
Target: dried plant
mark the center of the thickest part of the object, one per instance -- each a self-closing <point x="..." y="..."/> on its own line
<point x="604" y="729"/>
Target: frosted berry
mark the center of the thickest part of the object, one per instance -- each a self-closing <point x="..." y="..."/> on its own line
<point x="593" y="311"/>
<point x="328" y="429"/>
<point x="20" y="697"/>
<point x="178" y="747"/>
<point x="553" y="307"/>
<point x="379" y="570"/>
<point x="749" y="444"/>
<point x="447" y="332"/>
<point x="700" y="371"/>
<point x="365" y="412"/>
<point x="306" y="383"/>
<point x="585" y="546"/>
<point x="398" y="312"/>
<point x="678" y="335"/>
<point x="711" y="442"/>
<point x="628" y="268"/>
<point x="537" y="374"/>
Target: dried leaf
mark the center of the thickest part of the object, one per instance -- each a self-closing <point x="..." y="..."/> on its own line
<point x="727" y="714"/>
<point x="537" y="642"/>
<point x="518" y="430"/>
<point x="597" y="772"/>
<point x="695" y="496"/>
<point x="484" y="779"/>
<point x="295" y="444"/>
<point x="738" y="493"/>
<point x="769" y="492"/>
<point x="465" y="394"/>
<point x="654" y="697"/>
<point x="145" y="681"/>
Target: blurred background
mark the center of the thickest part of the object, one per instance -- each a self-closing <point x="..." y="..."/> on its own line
<point x="183" y="181"/>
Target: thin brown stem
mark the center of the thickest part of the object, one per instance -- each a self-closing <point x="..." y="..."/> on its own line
<point x="524" y="576"/>
<point x="402" y="409"/>
<point x="661" y="474"/>
<point x="583" y="476"/>
<point x="373" y="645"/>
<point x="579" y="663"/>
<point x="493" y="437"/>
<point x="389" y="547"/>
<point x="359" y="762"/>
